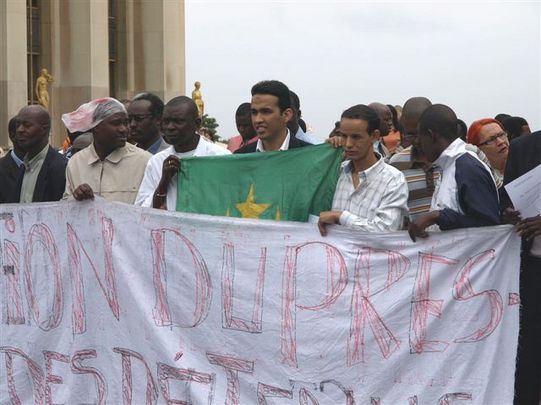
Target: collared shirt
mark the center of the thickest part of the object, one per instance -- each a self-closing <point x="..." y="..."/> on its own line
<point x="32" y="168"/>
<point x="16" y="159"/>
<point x="380" y="149"/>
<point x="466" y="194"/>
<point x="116" y="178"/>
<point x="237" y="142"/>
<point x="420" y="183"/>
<point x="153" y="172"/>
<point x="378" y="204"/>
<point x="158" y="146"/>
<point x="303" y="136"/>
<point x="285" y="144"/>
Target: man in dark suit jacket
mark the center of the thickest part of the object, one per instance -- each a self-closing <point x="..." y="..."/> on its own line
<point x="44" y="178"/>
<point x="271" y="111"/>
<point x="524" y="155"/>
<point x="11" y="165"/>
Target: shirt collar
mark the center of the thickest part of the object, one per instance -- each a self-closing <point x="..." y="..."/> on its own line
<point x="155" y="146"/>
<point x="114" y="157"/>
<point x="18" y="162"/>
<point x="372" y="172"/>
<point x="285" y="145"/>
<point x="447" y="157"/>
<point x="36" y="160"/>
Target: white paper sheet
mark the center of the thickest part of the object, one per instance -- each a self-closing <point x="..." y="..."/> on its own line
<point x="525" y="193"/>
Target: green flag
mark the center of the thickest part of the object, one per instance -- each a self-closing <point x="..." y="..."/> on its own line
<point x="287" y="185"/>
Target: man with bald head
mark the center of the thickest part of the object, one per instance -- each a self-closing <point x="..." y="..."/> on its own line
<point x="180" y="123"/>
<point x="386" y="124"/>
<point x="466" y="195"/>
<point x="417" y="170"/>
<point x="411" y="112"/>
<point x="44" y="176"/>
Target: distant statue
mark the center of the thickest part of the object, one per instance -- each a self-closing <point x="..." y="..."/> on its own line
<point x="196" y="97"/>
<point x="42" y="82"/>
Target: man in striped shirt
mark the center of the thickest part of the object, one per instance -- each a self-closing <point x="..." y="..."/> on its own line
<point x="370" y="194"/>
<point x="419" y="173"/>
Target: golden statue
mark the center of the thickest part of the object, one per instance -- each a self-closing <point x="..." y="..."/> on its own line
<point x="41" y="88"/>
<point x="196" y="97"/>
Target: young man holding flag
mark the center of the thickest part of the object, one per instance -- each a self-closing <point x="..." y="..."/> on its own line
<point x="271" y="111"/>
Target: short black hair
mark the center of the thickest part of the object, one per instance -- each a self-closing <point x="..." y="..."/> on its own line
<point x="12" y="126"/>
<point x="302" y="124"/>
<point x="513" y="126"/>
<point x="396" y="124"/>
<point x="243" y="110"/>
<point x="274" y="88"/>
<point x="365" y="113"/>
<point x="179" y="100"/>
<point x="462" y="129"/>
<point x="501" y="116"/>
<point x="156" y="103"/>
<point x="295" y="101"/>
<point x="441" y="119"/>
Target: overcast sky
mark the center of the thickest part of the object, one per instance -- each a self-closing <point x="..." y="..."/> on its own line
<point x="480" y="58"/>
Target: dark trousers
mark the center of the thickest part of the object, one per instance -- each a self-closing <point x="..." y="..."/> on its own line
<point x="528" y="370"/>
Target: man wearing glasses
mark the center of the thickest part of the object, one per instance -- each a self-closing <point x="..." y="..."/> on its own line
<point x="489" y="136"/>
<point x="145" y="118"/>
<point x="466" y="195"/>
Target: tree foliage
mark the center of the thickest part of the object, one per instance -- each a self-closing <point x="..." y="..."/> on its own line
<point x="210" y="124"/>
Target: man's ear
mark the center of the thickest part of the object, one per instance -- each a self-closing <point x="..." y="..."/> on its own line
<point x="198" y="122"/>
<point x="287" y="114"/>
<point x="376" y="134"/>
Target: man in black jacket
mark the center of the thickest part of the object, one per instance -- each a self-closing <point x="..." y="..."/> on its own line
<point x="271" y="111"/>
<point x="11" y="165"/>
<point x="524" y="155"/>
<point x="44" y="177"/>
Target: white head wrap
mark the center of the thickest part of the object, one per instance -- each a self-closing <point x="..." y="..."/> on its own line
<point x="88" y="115"/>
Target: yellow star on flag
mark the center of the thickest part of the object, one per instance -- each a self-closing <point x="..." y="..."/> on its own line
<point x="249" y="208"/>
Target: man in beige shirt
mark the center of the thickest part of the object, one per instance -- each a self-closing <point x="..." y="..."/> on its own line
<point x="109" y="167"/>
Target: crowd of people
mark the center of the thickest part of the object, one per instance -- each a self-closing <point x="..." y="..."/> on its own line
<point x="417" y="168"/>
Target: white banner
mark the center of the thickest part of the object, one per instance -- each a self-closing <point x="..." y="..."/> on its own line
<point x="108" y="303"/>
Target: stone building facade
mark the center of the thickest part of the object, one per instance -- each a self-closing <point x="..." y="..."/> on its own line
<point x="92" y="48"/>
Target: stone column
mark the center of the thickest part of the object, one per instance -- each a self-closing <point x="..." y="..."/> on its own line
<point x="78" y="55"/>
<point x="153" y="58"/>
<point x="13" y="70"/>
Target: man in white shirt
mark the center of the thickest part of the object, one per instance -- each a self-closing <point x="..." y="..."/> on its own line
<point x="370" y="195"/>
<point x="180" y="123"/>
